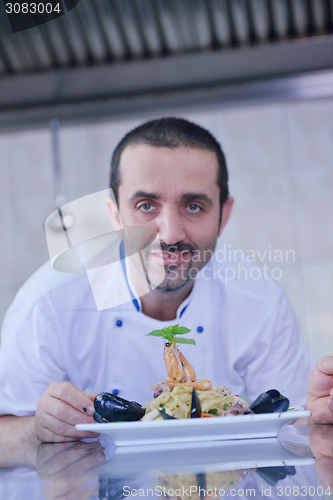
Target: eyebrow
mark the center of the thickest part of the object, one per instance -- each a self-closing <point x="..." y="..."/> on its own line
<point x="198" y="197"/>
<point x="144" y="194"/>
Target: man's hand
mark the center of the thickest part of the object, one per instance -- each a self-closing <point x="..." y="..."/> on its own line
<point x="59" y="409"/>
<point x="320" y="391"/>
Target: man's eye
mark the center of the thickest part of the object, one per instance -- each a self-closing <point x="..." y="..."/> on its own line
<point x="146" y="207"/>
<point x="193" y="207"/>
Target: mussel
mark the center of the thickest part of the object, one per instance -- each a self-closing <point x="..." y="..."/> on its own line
<point x="263" y="404"/>
<point x="195" y="408"/>
<point x="280" y="405"/>
<point x="166" y="416"/>
<point x="202" y="485"/>
<point x="274" y="474"/>
<point x="111" y="408"/>
<point x="271" y="401"/>
<point x="195" y="405"/>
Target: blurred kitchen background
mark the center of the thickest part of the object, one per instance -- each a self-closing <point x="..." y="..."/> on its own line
<point x="257" y="73"/>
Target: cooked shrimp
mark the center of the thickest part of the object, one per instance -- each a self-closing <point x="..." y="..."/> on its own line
<point x="201" y="385"/>
<point x="188" y="370"/>
<point x="172" y="362"/>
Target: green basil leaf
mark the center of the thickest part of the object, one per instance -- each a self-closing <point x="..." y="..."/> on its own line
<point x="182" y="329"/>
<point x="156" y="333"/>
<point x="181" y="340"/>
<point x="169" y="337"/>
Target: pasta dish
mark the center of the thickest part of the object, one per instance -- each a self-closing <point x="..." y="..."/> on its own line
<point x="174" y="397"/>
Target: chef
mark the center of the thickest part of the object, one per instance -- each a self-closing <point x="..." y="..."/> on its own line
<point x="60" y="347"/>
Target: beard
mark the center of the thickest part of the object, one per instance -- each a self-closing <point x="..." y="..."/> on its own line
<point x="172" y="279"/>
<point x="175" y="276"/>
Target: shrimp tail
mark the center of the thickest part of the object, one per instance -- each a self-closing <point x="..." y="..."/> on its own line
<point x="189" y="373"/>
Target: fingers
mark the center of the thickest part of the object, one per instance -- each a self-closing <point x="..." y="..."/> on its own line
<point x="84" y="492"/>
<point x="62" y="428"/>
<point x="59" y="409"/>
<point x="75" y="479"/>
<point x="65" y="391"/>
<point x="325" y="365"/>
<point x="321" y="440"/>
<point x="78" y="472"/>
<point x="320" y="381"/>
<point x="53" y="430"/>
<point x="54" y="457"/>
<point x="320" y="411"/>
<point x="324" y="470"/>
<point x="91" y="395"/>
<point x="67" y="413"/>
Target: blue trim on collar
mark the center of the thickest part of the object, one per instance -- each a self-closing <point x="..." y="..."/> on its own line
<point x="182" y="311"/>
<point x="122" y="258"/>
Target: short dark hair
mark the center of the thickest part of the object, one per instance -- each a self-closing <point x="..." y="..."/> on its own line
<point x="172" y="133"/>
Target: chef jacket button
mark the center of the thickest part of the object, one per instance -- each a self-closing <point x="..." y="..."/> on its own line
<point x="200" y="329"/>
<point x="115" y="392"/>
<point x="119" y="322"/>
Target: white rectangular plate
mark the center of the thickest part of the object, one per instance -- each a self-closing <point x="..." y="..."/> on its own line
<point x="195" y="430"/>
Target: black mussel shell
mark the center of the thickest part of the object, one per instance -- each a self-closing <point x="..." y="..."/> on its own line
<point x="269" y="402"/>
<point x="114" y="489"/>
<point x="274" y="394"/>
<point x="98" y="418"/>
<point x="202" y="485"/>
<point x="263" y="404"/>
<point x="116" y="409"/>
<point x="274" y="474"/>
<point x="280" y="405"/>
<point x="195" y="406"/>
<point x="166" y="416"/>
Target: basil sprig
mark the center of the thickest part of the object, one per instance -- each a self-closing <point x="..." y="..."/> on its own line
<point x="169" y="333"/>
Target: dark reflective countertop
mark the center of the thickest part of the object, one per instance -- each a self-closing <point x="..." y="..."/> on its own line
<point x="297" y="464"/>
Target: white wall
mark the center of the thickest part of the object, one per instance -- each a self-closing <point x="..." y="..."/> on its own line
<point x="280" y="157"/>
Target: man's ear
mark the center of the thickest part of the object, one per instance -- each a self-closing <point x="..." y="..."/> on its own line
<point x="226" y="212"/>
<point x="114" y="213"/>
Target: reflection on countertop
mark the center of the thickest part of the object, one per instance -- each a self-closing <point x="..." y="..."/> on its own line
<point x="98" y="470"/>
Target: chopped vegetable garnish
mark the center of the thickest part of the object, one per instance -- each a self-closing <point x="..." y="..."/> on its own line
<point x="85" y="409"/>
<point x="213" y="411"/>
<point x="225" y="406"/>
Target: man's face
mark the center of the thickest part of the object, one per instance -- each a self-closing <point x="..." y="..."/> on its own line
<point x="175" y="192"/>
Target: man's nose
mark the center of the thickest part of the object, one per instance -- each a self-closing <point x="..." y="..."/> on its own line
<point x="170" y="227"/>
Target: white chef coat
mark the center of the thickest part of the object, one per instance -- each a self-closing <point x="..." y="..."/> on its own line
<point x="246" y="333"/>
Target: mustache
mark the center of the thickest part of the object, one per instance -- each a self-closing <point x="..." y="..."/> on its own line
<point x="174" y="248"/>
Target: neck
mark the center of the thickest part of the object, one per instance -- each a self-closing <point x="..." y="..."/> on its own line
<point x="163" y="305"/>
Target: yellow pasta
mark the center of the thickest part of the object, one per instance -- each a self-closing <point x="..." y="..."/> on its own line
<point x="178" y="402"/>
<point x="215" y="481"/>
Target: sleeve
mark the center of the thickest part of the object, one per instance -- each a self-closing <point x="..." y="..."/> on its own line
<point x="282" y="359"/>
<point x="30" y="357"/>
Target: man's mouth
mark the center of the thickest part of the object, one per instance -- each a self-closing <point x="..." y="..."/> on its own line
<point x="172" y="258"/>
